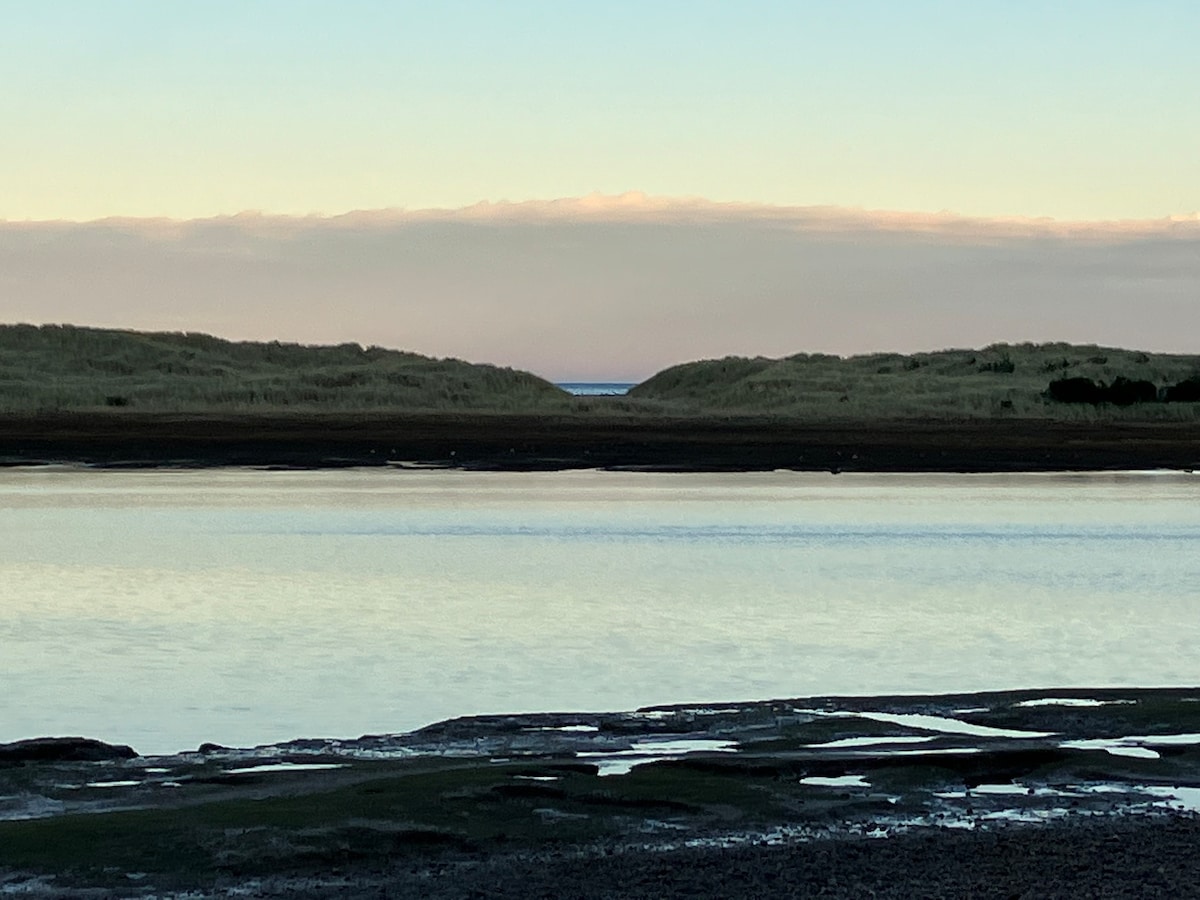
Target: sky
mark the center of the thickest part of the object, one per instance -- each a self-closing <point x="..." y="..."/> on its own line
<point x="600" y="190"/>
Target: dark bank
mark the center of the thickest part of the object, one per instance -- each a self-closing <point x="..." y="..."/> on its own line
<point x="525" y="442"/>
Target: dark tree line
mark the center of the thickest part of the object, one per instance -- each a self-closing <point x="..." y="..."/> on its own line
<point x="1123" y="391"/>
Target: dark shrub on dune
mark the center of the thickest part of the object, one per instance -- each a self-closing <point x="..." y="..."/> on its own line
<point x="1076" y="390"/>
<point x="1127" y="391"/>
<point x="1122" y="392"/>
<point x="1186" y="391"/>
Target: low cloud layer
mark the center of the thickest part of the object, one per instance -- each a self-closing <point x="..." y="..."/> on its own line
<point x="617" y="287"/>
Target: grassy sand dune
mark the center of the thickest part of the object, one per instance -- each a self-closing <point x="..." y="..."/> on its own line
<point x="64" y="367"/>
<point x="55" y="368"/>
<point x="107" y="397"/>
<point x="1003" y="380"/>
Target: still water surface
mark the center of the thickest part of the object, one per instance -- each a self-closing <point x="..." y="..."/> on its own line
<point x="166" y="608"/>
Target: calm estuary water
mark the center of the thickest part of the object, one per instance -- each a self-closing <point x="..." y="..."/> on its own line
<point x="166" y="608"/>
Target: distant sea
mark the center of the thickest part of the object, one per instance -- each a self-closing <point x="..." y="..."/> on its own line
<point x="596" y="388"/>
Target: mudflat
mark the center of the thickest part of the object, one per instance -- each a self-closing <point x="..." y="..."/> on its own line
<point x="600" y="440"/>
<point x="1062" y="793"/>
<point x="1134" y="859"/>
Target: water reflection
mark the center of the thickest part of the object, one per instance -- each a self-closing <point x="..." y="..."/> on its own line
<point x="166" y="608"/>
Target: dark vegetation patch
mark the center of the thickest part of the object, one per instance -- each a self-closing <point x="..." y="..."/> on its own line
<point x="1122" y="391"/>
<point x="1186" y="391"/>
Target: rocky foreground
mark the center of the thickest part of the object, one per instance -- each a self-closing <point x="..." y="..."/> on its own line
<point x="1052" y="793"/>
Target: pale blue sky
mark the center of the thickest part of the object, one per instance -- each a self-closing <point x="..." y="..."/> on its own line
<point x="1075" y="110"/>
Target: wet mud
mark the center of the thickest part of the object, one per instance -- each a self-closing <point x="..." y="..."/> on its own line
<point x="1066" y="792"/>
<point x="524" y="442"/>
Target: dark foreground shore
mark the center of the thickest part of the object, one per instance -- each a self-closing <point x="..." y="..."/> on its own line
<point x="524" y="442"/>
<point x="1063" y="793"/>
<point x="1134" y="859"/>
<point x="1143" y="858"/>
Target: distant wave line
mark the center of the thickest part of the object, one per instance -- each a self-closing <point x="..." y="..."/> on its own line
<point x="752" y="534"/>
<point x="596" y="388"/>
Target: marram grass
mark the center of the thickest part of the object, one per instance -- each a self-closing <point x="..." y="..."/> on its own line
<point x="67" y="368"/>
<point x="64" y="368"/>
<point x="1002" y="380"/>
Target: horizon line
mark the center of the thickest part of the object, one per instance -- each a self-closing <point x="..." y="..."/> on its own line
<point x="636" y="207"/>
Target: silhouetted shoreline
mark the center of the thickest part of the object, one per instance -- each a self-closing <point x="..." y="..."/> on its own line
<point x="521" y="442"/>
